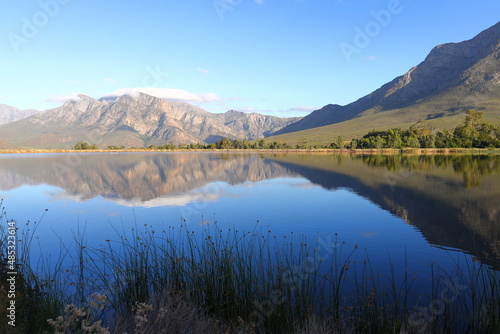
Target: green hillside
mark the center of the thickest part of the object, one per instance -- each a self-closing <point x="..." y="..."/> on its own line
<point x="399" y="118"/>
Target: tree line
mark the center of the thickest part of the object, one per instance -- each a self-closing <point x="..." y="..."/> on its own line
<point x="473" y="133"/>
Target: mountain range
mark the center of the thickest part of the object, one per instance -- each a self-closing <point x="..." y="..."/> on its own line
<point x="454" y="77"/>
<point x="135" y="121"/>
<point x="10" y="114"/>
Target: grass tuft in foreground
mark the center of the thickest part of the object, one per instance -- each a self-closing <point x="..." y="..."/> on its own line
<point x="229" y="281"/>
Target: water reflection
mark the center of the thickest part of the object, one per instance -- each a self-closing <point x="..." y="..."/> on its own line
<point x="134" y="177"/>
<point x="452" y="200"/>
<point x="472" y="167"/>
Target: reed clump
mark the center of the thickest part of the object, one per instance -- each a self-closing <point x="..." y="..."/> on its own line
<point x="213" y="280"/>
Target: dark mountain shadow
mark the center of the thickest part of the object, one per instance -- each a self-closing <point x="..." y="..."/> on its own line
<point x="464" y="220"/>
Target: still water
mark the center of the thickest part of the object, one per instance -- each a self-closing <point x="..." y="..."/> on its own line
<point x="402" y="211"/>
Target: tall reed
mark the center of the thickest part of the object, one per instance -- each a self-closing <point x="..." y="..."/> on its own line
<point x="214" y="280"/>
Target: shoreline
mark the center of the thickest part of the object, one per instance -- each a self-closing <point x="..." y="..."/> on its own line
<point x="386" y="151"/>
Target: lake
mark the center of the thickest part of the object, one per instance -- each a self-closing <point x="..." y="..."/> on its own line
<point x="403" y="212"/>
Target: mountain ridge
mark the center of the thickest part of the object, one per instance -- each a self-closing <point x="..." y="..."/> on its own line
<point x="451" y="70"/>
<point x="9" y="114"/>
<point x="140" y="120"/>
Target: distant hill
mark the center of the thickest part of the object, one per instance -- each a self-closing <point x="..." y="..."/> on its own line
<point x="453" y="78"/>
<point x="10" y="114"/>
<point x="137" y="121"/>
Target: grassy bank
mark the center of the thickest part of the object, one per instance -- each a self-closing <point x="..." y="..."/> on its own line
<point x="291" y="150"/>
<point x="175" y="280"/>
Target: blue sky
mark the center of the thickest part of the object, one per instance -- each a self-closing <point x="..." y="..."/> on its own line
<point x="283" y="58"/>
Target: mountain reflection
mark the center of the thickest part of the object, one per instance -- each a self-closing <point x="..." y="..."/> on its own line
<point x="452" y="200"/>
<point x="134" y="177"/>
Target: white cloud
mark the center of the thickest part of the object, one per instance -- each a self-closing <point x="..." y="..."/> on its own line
<point x="202" y="194"/>
<point x="174" y="200"/>
<point x="110" y="80"/>
<point x="202" y="70"/>
<point x="167" y="93"/>
<point x="62" y="98"/>
<point x="260" y="2"/>
<point x="304" y="185"/>
<point x="371" y="58"/>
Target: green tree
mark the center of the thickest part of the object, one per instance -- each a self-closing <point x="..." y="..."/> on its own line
<point x="412" y="141"/>
<point x="237" y="144"/>
<point x="340" y="142"/>
<point x="394" y="139"/>
<point x="354" y="144"/>
<point x="377" y="142"/>
<point x="245" y="144"/>
<point x="82" y="146"/>
<point x="261" y="144"/>
<point x="224" y="144"/>
<point x="467" y="134"/>
<point x="302" y="144"/>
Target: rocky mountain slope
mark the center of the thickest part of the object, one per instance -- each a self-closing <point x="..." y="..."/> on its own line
<point x="454" y="77"/>
<point x="139" y="121"/>
<point x="10" y="114"/>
